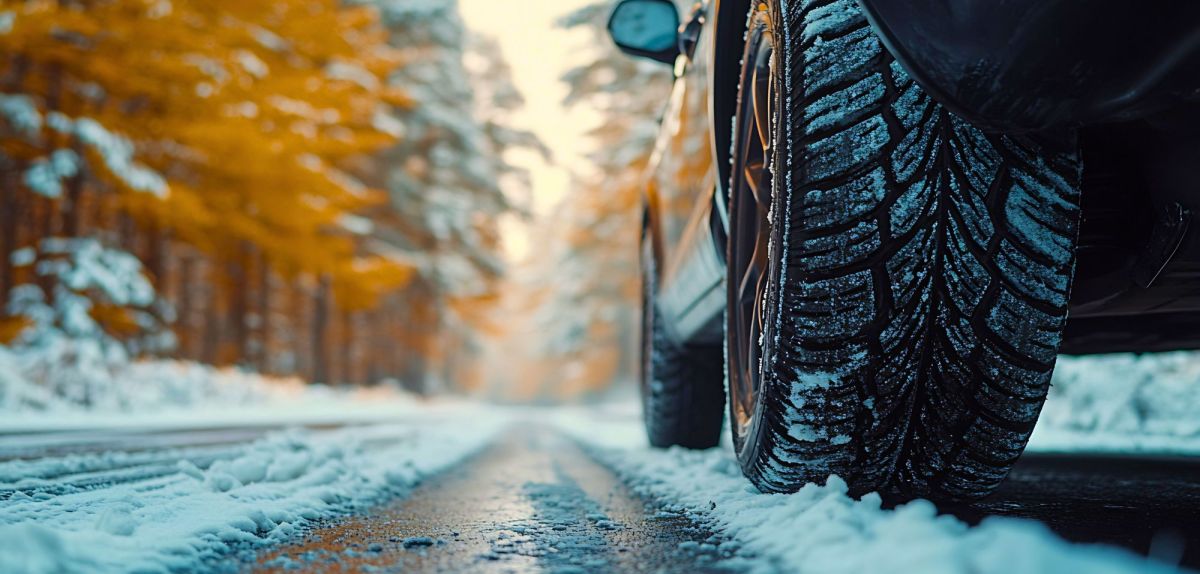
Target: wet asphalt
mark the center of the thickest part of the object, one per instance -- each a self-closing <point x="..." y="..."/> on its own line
<point x="1150" y="505"/>
<point x="532" y="502"/>
<point x="536" y="502"/>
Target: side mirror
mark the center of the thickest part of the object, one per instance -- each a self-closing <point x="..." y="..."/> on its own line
<point x="646" y="28"/>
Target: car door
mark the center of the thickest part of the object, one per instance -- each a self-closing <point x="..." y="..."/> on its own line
<point x="682" y="181"/>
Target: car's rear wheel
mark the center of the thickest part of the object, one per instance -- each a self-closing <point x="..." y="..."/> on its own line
<point x="683" y="393"/>
<point x="898" y="279"/>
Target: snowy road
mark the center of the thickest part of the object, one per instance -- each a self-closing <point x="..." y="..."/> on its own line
<point x="56" y="444"/>
<point x="185" y="500"/>
<point x="533" y="501"/>
<point x="474" y="488"/>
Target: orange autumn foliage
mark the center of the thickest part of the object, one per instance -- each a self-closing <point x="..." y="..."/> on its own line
<point x="247" y="108"/>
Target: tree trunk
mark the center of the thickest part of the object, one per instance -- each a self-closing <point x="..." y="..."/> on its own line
<point x="159" y="252"/>
<point x="45" y="229"/>
<point x="239" y="304"/>
<point x="348" y="370"/>
<point x="320" y="325"/>
<point x="184" y="328"/>
<point x="298" y="333"/>
<point x="126" y="233"/>
<point x="264" y="315"/>
<point x="72" y="211"/>
<point x="9" y="220"/>
<point x="212" y="318"/>
<point x="377" y="327"/>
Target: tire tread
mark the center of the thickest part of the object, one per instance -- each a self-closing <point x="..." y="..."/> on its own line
<point x="918" y="326"/>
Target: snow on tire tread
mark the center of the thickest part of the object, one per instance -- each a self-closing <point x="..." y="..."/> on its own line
<point x="927" y="269"/>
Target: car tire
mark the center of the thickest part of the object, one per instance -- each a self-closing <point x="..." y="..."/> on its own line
<point x="682" y="387"/>
<point x="912" y="296"/>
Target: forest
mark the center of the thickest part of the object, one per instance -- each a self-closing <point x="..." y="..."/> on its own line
<point x="298" y="187"/>
<point x="304" y="188"/>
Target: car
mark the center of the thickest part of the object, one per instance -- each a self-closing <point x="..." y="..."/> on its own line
<point x="870" y="227"/>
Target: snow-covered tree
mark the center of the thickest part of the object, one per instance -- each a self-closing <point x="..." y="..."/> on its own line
<point x="448" y="181"/>
<point x="207" y="139"/>
<point x="594" y="258"/>
<point x="90" y="307"/>
<point x="496" y="100"/>
<point x="311" y="185"/>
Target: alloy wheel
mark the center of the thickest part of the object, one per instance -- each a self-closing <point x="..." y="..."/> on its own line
<point x="750" y="226"/>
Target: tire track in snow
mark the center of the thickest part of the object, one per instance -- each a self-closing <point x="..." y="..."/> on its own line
<point x="108" y="512"/>
<point x="44" y="465"/>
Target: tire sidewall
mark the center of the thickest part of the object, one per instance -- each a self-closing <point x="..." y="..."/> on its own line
<point x="648" y="322"/>
<point x="747" y="443"/>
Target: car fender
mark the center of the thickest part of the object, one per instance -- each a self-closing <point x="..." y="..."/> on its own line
<point x="1021" y="65"/>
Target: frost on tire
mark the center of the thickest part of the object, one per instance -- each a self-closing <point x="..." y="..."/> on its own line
<point x="926" y="269"/>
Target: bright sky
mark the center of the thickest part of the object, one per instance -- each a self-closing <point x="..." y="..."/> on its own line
<point x="539" y="53"/>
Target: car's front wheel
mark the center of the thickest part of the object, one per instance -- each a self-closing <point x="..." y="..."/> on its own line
<point x="898" y="279"/>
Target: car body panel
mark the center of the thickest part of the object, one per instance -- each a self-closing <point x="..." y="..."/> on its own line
<point x="681" y="178"/>
<point x="1037" y="64"/>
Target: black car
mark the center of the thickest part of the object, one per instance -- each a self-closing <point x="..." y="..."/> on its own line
<point x="874" y="224"/>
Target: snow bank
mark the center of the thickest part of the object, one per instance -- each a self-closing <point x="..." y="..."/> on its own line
<point x="821" y="529"/>
<point x="143" y="387"/>
<point x="1123" y="402"/>
<point x="1151" y="394"/>
<point x="250" y="496"/>
<point x="169" y="395"/>
<point x="19" y="395"/>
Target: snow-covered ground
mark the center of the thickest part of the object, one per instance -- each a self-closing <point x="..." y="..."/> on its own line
<point x="171" y="510"/>
<point x="821" y="529"/>
<point x="1148" y="404"/>
<point x="166" y="395"/>
<point x="1123" y="403"/>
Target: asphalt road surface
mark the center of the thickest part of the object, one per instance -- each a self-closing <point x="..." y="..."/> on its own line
<point x="1149" y="505"/>
<point x="535" y="500"/>
<point x="532" y="501"/>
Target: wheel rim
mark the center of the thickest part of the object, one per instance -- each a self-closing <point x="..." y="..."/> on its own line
<point x="749" y="261"/>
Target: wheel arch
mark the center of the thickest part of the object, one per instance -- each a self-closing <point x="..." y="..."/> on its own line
<point x="729" y="41"/>
<point x="1027" y="65"/>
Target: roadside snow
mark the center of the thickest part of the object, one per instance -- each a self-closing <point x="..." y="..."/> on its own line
<point x="55" y="520"/>
<point x="304" y="406"/>
<point x="168" y="395"/>
<point x="821" y="529"/>
<point x="18" y="394"/>
<point x="1123" y="403"/>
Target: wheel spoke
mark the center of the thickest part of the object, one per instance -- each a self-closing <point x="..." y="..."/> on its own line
<point x="749" y="282"/>
<point x="762" y="88"/>
<point x="754" y="174"/>
<point x="760" y="300"/>
<point x="750" y="228"/>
